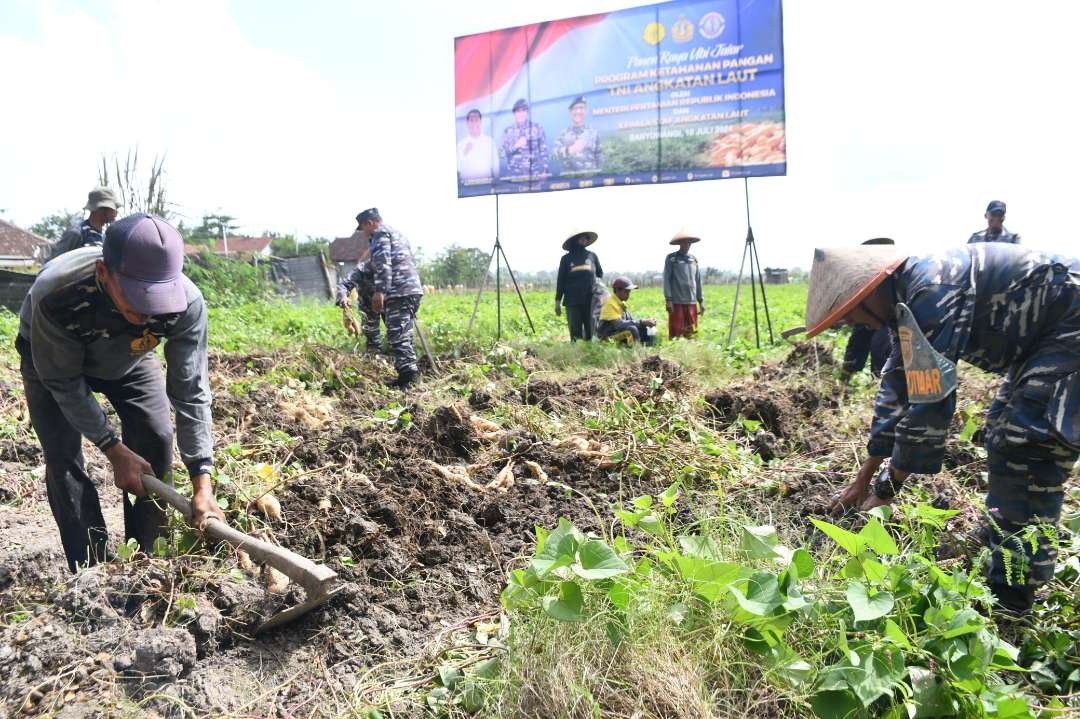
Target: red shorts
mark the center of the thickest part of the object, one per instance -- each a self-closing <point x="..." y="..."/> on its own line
<point x="682" y="321"/>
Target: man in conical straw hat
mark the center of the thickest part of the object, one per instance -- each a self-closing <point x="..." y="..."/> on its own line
<point x="574" y="285"/>
<point x="866" y="343"/>
<point x="682" y="287"/>
<point x="1005" y="309"/>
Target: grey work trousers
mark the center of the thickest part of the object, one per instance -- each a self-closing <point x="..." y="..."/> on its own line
<point x="146" y="426"/>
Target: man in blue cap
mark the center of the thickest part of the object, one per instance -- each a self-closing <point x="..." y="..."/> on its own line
<point x="91" y="323"/>
<point x="398" y="290"/>
<point x="995" y="227"/>
<point x="524" y="146"/>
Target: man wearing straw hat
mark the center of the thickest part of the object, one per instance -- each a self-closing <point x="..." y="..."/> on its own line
<point x="102" y="204"/>
<point x="682" y="288"/>
<point x="866" y="343"/>
<point x="578" y="270"/>
<point x="1004" y="309"/>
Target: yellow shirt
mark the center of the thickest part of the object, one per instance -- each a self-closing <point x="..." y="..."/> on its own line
<point x="613" y="309"/>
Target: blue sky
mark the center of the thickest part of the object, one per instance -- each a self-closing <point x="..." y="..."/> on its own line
<point x="904" y="119"/>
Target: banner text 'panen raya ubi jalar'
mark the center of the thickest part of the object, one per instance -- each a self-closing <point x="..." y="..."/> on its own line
<point x="674" y="92"/>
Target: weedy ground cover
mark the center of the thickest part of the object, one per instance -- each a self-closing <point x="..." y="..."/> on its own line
<point x="541" y="529"/>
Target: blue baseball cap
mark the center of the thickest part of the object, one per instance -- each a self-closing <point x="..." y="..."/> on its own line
<point x="146" y="254"/>
<point x="996" y="206"/>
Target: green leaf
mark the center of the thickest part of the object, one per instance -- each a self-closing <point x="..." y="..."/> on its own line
<point x="833" y="704"/>
<point x="865" y="607"/>
<point x="567" y="607"/>
<point x="930" y="694"/>
<point x="762" y="594"/>
<point x="599" y="561"/>
<point x="896" y="634"/>
<point x="759" y="542"/>
<point x="707" y="578"/>
<point x="558" y="550"/>
<point x="877" y="539"/>
<point x="803" y="563"/>
<point x="643" y="502"/>
<point x="699" y="546"/>
<point x="669" y="495"/>
<point x="847" y="541"/>
<point x="651" y="524"/>
<point x="449" y="676"/>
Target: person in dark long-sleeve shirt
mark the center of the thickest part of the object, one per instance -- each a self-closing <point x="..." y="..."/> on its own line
<point x="578" y="270"/>
<point x="91" y="323"/>
<point x="1006" y="310"/>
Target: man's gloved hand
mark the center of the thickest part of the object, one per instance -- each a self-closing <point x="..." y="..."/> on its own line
<point x="377" y="303"/>
<point x="344" y="303"/>
<point x="128" y="469"/>
<point x="558" y="308"/>
<point x="670" y="306"/>
<point x="700" y="308"/>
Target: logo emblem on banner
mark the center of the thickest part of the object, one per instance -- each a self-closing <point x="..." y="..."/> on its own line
<point x="654" y="33"/>
<point x="711" y="25"/>
<point x="682" y="30"/>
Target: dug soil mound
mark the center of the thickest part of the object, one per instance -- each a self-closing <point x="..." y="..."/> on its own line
<point x="419" y="503"/>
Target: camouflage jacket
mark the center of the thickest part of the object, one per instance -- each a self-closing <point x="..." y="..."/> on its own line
<point x="362" y="278"/>
<point x="1004" y="236"/>
<point x="992" y="305"/>
<point x="528" y="161"/>
<point x="591" y="156"/>
<point x="392" y="264"/>
<point x="76" y="236"/>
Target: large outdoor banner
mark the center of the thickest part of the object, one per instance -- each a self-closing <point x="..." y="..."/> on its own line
<point x="681" y="91"/>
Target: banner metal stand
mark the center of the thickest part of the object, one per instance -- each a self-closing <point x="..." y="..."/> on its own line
<point x="499" y="255"/>
<point x="750" y="248"/>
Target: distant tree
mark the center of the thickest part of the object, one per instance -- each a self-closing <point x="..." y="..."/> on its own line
<point x="53" y="226"/>
<point x="209" y="231"/>
<point x="287" y="246"/>
<point x="137" y="193"/>
<point x="456" y="266"/>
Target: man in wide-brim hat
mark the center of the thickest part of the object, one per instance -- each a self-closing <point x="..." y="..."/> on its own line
<point x="578" y="270"/>
<point x="102" y="205"/>
<point x="682" y="287"/>
<point x="866" y="343"/>
<point x="1005" y="309"/>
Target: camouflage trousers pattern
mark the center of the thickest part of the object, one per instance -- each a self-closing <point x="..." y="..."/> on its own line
<point x="369" y="323"/>
<point x="400" y="314"/>
<point x="1028" y="465"/>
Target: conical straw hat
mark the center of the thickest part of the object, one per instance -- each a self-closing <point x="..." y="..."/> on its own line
<point x="684" y="234"/>
<point x="572" y="239"/>
<point x="841" y="278"/>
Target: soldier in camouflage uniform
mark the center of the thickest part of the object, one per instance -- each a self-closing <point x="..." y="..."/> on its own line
<point x="397" y="290"/>
<point x="524" y="146"/>
<point x="578" y="146"/>
<point x="362" y="279"/>
<point x="1006" y="310"/>
<point x="102" y="204"/>
<point x="995" y="227"/>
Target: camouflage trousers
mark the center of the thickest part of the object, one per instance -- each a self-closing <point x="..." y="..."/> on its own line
<point x="1031" y="450"/>
<point x="400" y="313"/>
<point x="369" y="322"/>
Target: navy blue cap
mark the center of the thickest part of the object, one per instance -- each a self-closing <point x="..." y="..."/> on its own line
<point x="146" y="254"/>
<point x="579" y="100"/>
<point x="521" y="105"/>
<point x="996" y="206"/>
<point x="372" y="213"/>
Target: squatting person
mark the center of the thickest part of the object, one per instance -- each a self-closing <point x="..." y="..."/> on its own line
<point x="866" y="343"/>
<point x="398" y="290"/>
<point x="579" y="269"/>
<point x="1004" y="309"/>
<point x="682" y="288"/>
<point x="616" y="322"/>
<point x="91" y="323"/>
